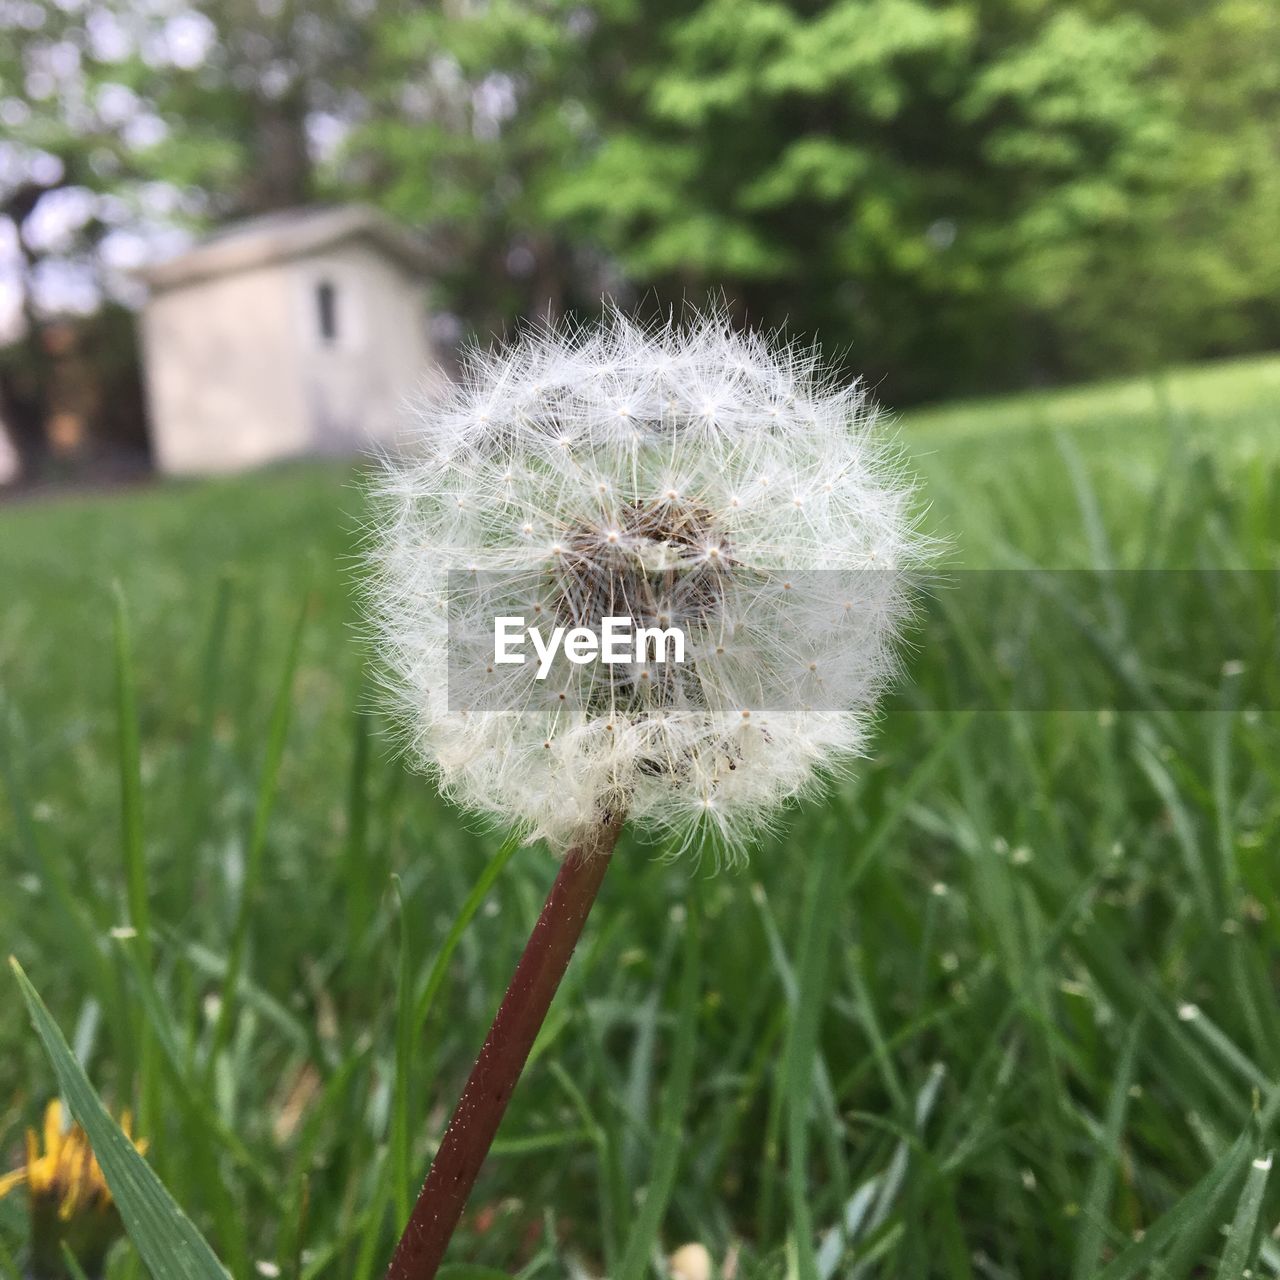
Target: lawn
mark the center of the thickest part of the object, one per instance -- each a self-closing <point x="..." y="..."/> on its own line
<point x="1005" y="1007"/>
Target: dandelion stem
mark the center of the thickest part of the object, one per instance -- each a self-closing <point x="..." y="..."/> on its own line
<point x="479" y="1111"/>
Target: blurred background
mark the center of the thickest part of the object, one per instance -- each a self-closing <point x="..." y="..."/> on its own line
<point x="1003" y="1005"/>
<point x="954" y="196"/>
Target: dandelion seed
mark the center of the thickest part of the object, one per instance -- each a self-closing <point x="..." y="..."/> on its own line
<point x="672" y="493"/>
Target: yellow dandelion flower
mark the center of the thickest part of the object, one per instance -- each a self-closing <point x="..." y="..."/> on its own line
<point x="68" y="1196"/>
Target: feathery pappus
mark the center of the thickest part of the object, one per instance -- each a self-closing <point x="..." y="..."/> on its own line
<point x="688" y="477"/>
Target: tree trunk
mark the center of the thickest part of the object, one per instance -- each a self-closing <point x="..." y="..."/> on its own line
<point x="281" y="177"/>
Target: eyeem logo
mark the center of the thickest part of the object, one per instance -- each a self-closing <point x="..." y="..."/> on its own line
<point x="619" y="641"/>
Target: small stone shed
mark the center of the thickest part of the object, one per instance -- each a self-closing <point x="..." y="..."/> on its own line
<point x="8" y="457"/>
<point x="300" y="332"/>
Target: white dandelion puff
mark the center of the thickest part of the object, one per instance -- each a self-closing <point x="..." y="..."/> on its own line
<point x="694" y="478"/>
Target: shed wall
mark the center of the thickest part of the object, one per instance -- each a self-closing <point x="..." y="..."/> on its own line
<point x="222" y="373"/>
<point x="250" y="366"/>
<point x="356" y="379"/>
<point x="8" y="457"/>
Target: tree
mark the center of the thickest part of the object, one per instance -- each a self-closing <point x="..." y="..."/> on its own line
<point x="67" y="124"/>
<point x="125" y="119"/>
<point x="963" y="194"/>
<point x="475" y="114"/>
<point x="261" y="87"/>
<point x="924" y="182"/>
<point x="945" y="187"/>
<point x="1219" y="247"/>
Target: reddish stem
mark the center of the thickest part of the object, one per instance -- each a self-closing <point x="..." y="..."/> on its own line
<point x="479" y="1111"/>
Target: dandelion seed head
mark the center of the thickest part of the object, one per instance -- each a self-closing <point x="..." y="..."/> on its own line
<point x="685" y="473"/>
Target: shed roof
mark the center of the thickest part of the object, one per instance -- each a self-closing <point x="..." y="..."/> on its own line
<point x="289" y="233"/>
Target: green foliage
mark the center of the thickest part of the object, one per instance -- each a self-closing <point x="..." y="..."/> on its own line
<point x="1004" y="1004"/>
<point x="963" y="194"/>
<point x="960" y="194"/>
<point x="168" y="1243"/>
<point x="910" y="178"/>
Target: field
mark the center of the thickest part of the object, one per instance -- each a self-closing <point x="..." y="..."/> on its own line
<point x="1004" y="1007"/>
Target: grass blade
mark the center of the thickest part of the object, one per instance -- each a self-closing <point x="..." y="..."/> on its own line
<point x="1102" y="1179"/>
<point x="164" y="1236"/>
<point x="1185" y="1221"/>
<point x="74" y="926"/>
<point x="1241" y="1242"/>
<point x="802" y="1044"/>
<point x="401" y="1140"/>
<point x="135" y="860"/>
<point x="131" y="780"/>
<point x="280" y="716"/>
<point x="196" y="766"/>
<point x="74" y="1270"/>
<point x="440" y="966"/>
<point x="355" y="856"/>
<point x="670" y="1139"/>
<point x="412" y="1013"/>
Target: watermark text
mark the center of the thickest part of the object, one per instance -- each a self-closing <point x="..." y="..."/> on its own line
<point x="619" y="640"/>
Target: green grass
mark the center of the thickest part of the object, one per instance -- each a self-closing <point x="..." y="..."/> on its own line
<point x="1005" y="1007"/>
